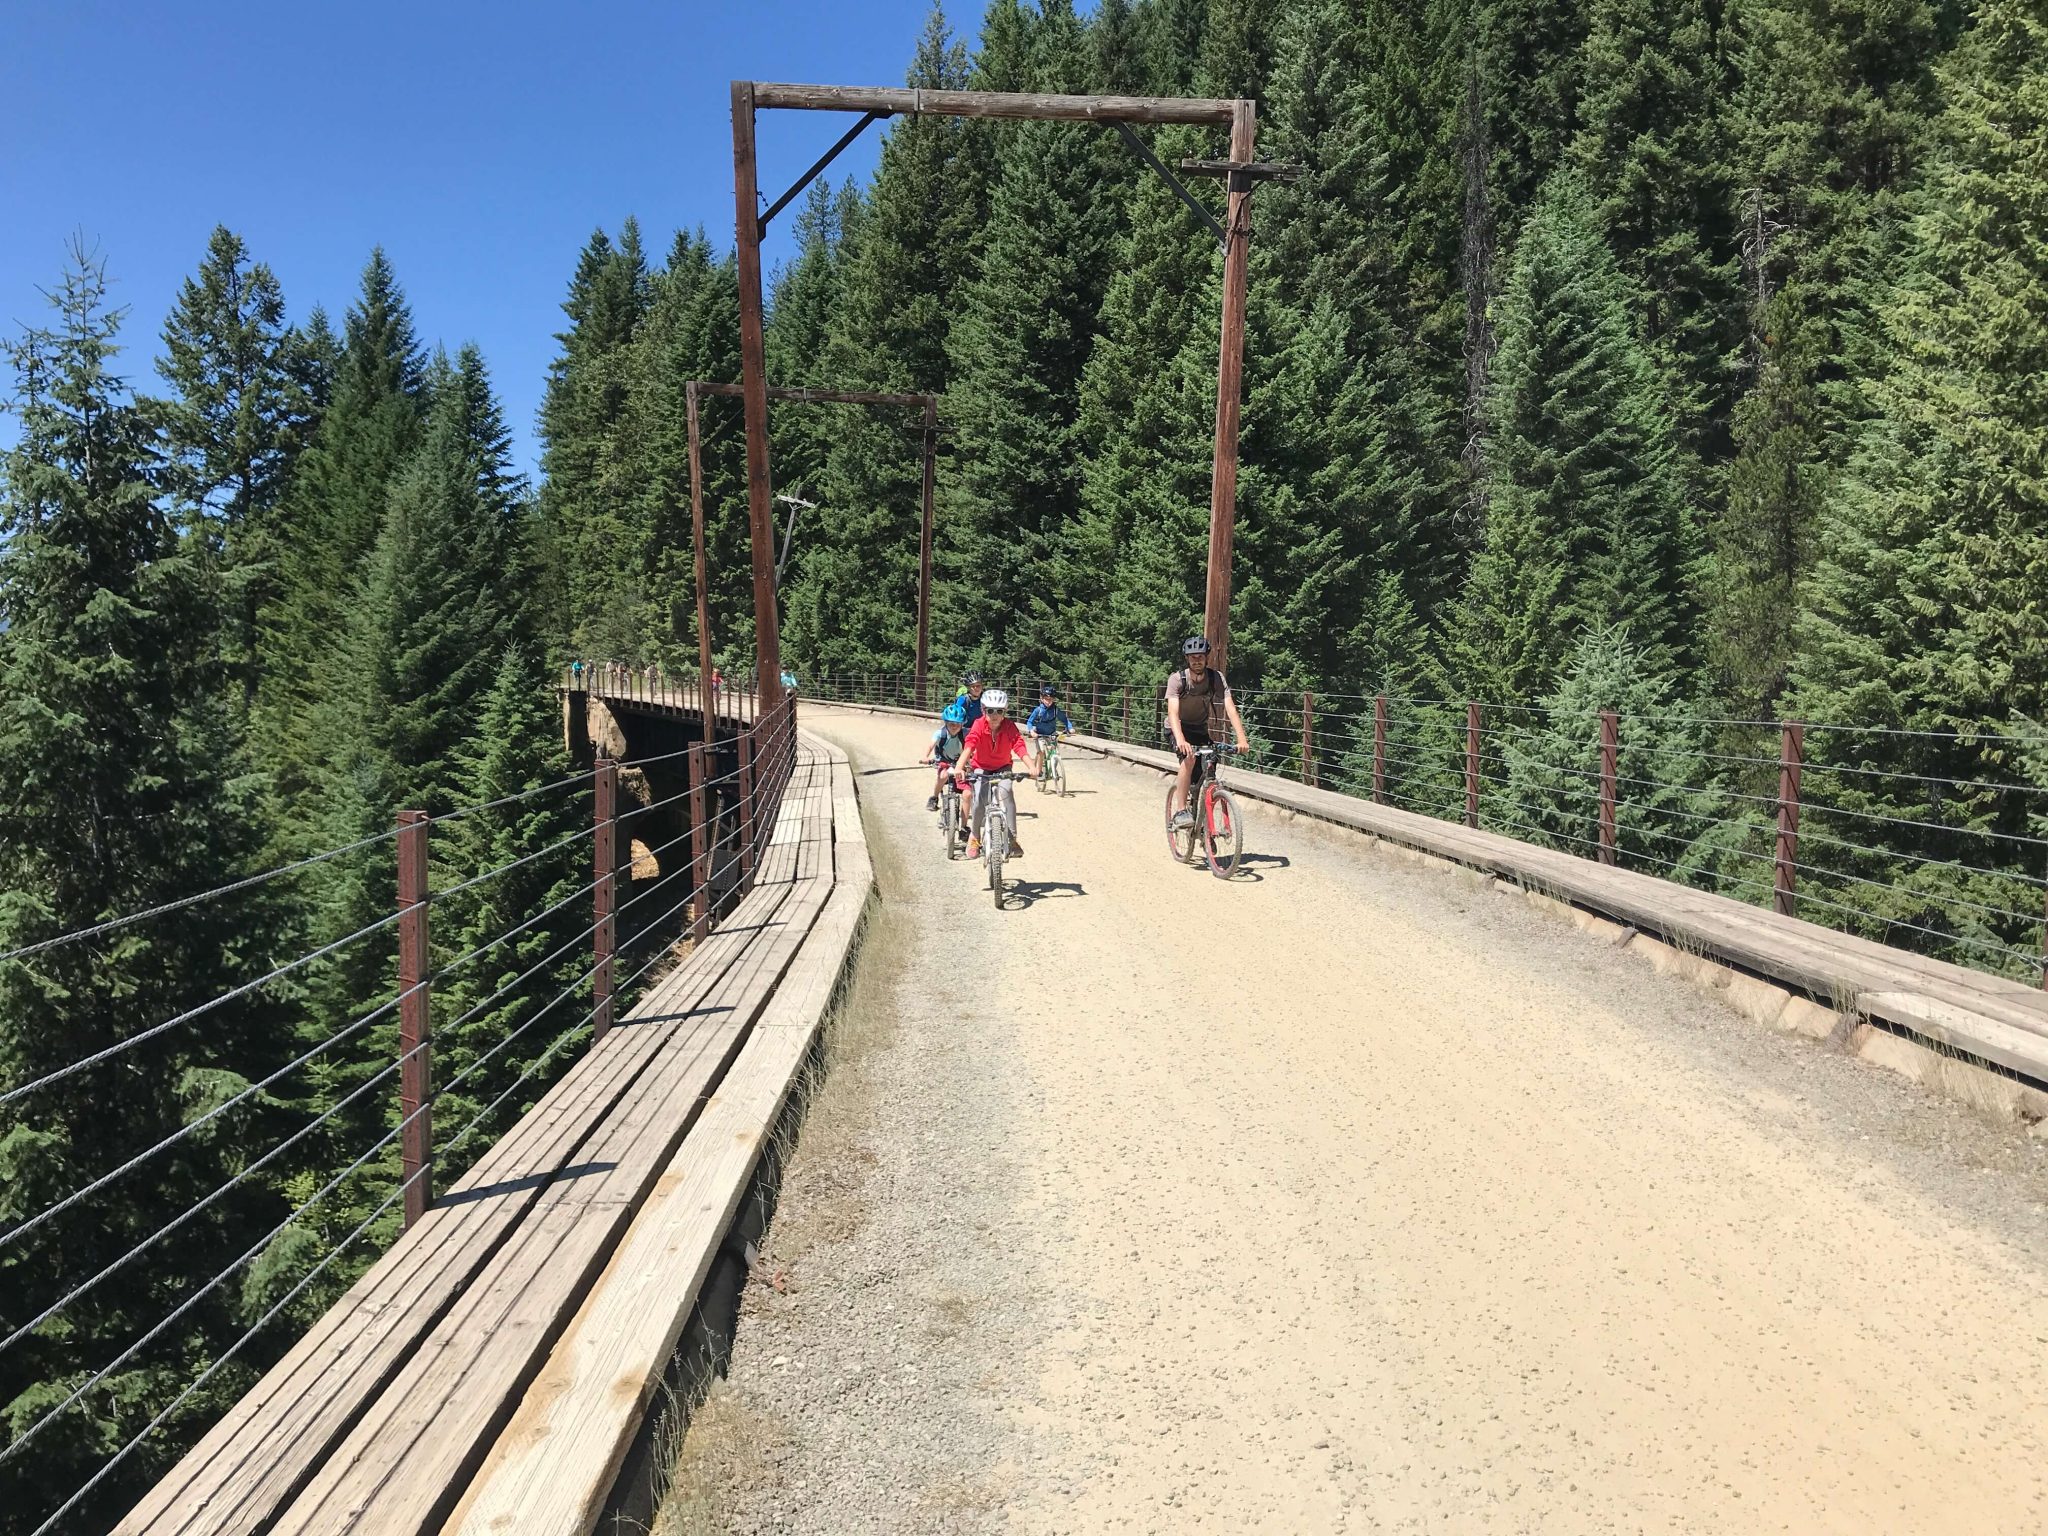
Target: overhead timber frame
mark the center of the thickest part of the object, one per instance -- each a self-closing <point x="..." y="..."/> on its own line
<point x="929" y="404"/>
<point x="1240" y="172"/>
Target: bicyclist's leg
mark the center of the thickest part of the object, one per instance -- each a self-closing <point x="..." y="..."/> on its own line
<point x="1008" y="807"/>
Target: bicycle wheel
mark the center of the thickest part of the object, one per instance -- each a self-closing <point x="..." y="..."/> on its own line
<point x="1222" y="836"/>
<point x="1059" y="769"/>
<point x="1180" y="841"/>
<point x="995" y="845"/>
<point x="949" y="821"/>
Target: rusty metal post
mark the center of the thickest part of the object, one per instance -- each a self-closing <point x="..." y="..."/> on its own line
<point x="754" y="390"/>
<point x="1308" y="739"/>
<point x="1791" y="759"/>
<point x="1379" y="749"/>
<point x="1471" y="763"/>
<point x="1229" y="384"/>
<point x="415" y="1018"/>
<point x="606" y="938"/>
<point x="1095" y="709"/>
<point x="1127" y="712"/>
<point x="1610" y="775"/>
<point x="700" y="846"/>
<point x="746" y="752"/>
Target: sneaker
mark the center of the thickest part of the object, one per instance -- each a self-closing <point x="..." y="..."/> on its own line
<point x="1183" y="817"/>
<point x="932" y="804"/>
<point x="974" y="848"/>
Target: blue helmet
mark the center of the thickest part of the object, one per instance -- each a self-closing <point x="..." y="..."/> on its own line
<point x="1047" y="691"/>
<point x="954" y="714"/>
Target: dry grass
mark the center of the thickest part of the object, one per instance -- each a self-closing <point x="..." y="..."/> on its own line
<point x="822" y="1145"/>
<point x="729" y="1446"/>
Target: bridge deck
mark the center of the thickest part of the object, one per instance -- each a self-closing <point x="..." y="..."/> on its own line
<point x="611" y="1197"/>
<point x="1992" y="1018"/>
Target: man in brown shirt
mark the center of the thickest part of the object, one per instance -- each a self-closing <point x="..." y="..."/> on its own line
<point x="1194" y="695"/>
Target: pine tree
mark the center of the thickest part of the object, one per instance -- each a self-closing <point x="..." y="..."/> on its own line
<point x="510" y="1010"/>
<point x="327" y="528"/>
<point x="238" y="415"/>
<point x="1584" y="528"/>
<point x="1668" y="817"/>
<point x="1018" y="345"/>
<point x="1146" y="412"/>
<point x="1924" y="612"/>
<point x="121" y="786"/>
<point x="1828" y="121"/>
<point x="1652" y="146"/>
<point x="590" y="482"/>
<point x="851" y="596"/>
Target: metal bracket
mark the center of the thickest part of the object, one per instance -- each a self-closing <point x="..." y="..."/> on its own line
<point x="812" y="174"/>
<point x="1145" y="154"/>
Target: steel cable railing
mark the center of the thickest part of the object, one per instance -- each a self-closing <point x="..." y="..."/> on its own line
<point x="740" y="807"/>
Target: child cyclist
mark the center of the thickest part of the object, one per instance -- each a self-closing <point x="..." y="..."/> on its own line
<point x="1046" y="724"/>
<point x="992" y="745"/>
<point x="948" y="742"/>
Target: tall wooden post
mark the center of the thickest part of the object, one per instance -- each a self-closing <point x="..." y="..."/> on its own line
<point x="1308" y="739"/>
<point x="1471" y="764"/>
<point x="1229" y="384"/>
<point x="1379" y="749"/>
<point x="700" y="845"/>
<point x="1785" y="873"/>
<point x="1610" y="776"/>
<point x="605" y="941"/>
<point x="754" y="388"/>
<point x="1127" y="712"/>
<point x="706" y="700"/>
<point x="415" y="1020"/>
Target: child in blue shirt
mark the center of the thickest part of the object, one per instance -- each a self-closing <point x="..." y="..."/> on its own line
<point x="948" y="742"/>
<point x="1044" y="724"/>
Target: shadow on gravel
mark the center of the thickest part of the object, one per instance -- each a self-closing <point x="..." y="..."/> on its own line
<point x="1019" y="894"/>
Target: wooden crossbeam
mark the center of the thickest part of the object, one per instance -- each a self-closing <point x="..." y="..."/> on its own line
<point x="1007" y="104"/>
<point x="1253" y="170"/>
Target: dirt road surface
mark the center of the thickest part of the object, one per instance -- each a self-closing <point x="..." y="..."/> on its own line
<point x="1354" y="1197"/>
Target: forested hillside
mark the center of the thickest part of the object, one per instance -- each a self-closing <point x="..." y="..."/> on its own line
<point x="1679" y="357"/>
<point x="1683" y="359"/>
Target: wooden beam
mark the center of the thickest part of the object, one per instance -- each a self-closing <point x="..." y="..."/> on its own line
<point x="1229" y="388"/>
<point x="1005" y="104"/>
<point x="1256" y="170"/>
<point x="754" y="382"/>
<point x="820" y="396"/>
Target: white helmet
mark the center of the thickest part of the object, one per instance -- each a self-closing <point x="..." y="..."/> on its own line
<point x="995" y="701"/>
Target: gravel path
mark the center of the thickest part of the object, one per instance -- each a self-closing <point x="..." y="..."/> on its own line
<point x="1352" y="1197"/>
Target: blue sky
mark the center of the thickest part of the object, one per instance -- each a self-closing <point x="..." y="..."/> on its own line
<point x="478" y="143"/>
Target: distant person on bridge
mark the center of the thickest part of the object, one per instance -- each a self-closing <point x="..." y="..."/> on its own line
<point x="948" y="742"/>
<point x="1192" y="696"/>
<point x="993" y="744"/>
<point x="970" y="697"/>
<point x="1044" y="724"/>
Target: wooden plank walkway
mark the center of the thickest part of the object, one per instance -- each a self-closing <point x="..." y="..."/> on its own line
<point x="380" y="1416"/>
<point x="1995" y="1019"/>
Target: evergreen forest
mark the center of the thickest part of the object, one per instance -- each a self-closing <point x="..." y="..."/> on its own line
<point x="1685" y="360"/>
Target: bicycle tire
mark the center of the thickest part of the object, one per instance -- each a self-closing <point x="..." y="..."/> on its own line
<point x="949" y="822"/>
<point x="1222" y="832"/>
<point x="1180" y="841"/>
<point x="1059" y="770"/>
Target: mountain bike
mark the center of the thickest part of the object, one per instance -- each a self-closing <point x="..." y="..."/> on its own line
<point x="952" y="819"/>
<point x="1215" y="831"/>
<point x="998" y="806"/>
<point x="1052" y="772"/>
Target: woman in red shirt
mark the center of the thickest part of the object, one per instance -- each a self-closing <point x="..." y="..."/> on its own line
<point x="992" y="745"/>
